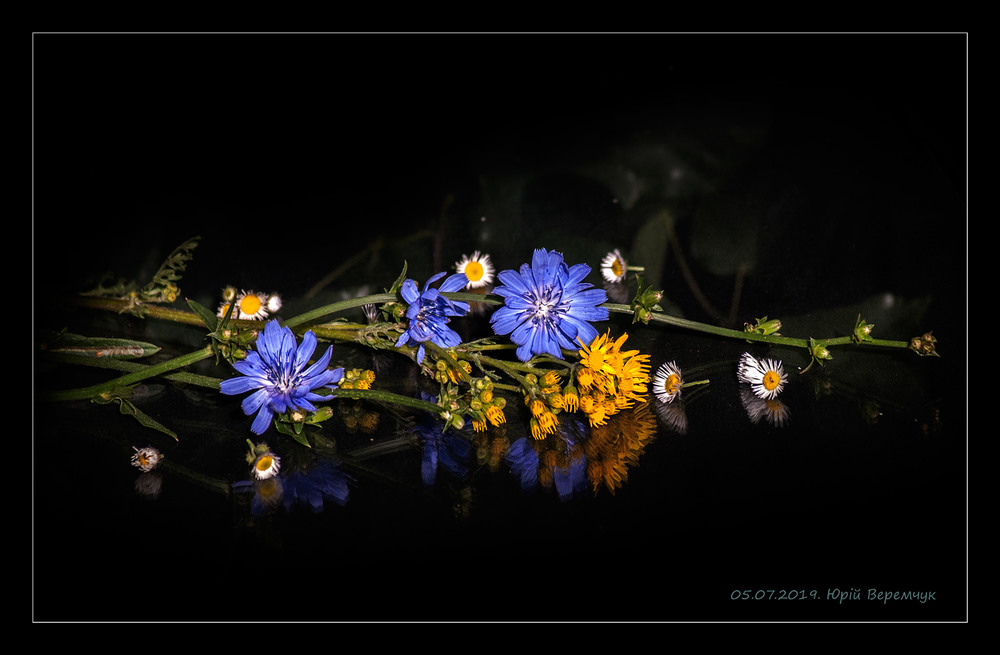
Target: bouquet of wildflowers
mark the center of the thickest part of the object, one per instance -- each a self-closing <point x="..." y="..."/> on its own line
<point x="588" y="401"/>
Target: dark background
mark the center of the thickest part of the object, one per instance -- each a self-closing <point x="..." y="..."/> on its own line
<point x="840" y="157"/>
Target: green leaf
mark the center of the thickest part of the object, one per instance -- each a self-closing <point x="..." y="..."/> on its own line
<point x="100" y="347"/>
<point x="206" y="315"/>
<point x="126" y="407"/>
<point x="399" y="281"/>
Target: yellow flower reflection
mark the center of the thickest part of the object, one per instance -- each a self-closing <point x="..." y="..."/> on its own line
<point x="616" y="445"/>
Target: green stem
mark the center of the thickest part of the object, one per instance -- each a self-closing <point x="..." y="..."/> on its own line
<point x="132" y="378"/>
<point x="343" y="305"/>
<point x="751" y="336"/>
<point x="388" y="397"/>
<point x="127" y="366"/>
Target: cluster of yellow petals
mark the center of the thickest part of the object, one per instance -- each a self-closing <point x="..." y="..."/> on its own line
<point x="357" y="378"/>
<point x="610" y="379"/>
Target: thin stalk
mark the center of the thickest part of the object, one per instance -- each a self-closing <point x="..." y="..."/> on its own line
<point x="133" y="378"/>
<point x="388" y="397"/>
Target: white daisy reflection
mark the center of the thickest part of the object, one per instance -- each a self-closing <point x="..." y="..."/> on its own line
<point x="773" y="410"/>
<point x="672" y="416"/>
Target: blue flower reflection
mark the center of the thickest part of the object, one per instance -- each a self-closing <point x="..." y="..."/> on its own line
<point x="310" y="488"/>
<point x="523" y="460"/>
<point x="568" y="475"/>
<point x="448" y="450"/>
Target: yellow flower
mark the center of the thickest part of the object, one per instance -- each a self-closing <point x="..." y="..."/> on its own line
<point x="495" y="415"/>
<point x="551" y="379"/>
<point x="571" y="401"/>
<point x="597" y="416"/>
<point x="612" y="370"/>
<point x="547" y="422"/>
<point x="595" y="356"/>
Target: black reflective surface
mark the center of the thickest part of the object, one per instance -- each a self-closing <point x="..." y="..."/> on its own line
<point x="810" y="179"/>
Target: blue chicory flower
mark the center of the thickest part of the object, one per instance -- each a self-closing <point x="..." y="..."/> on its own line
<point x="277" y="374"/>
<point x="548" y="306"/>
<point x="429" y="313"/>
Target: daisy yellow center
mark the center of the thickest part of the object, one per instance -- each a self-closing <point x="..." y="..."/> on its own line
<point x="264" y="463"/>
<point x="670" y="385"/>
<point x="771" y="380"/>
<point x="474" y="271"/>
<point x="617" y="268"/>
<point x="250" y="305"/>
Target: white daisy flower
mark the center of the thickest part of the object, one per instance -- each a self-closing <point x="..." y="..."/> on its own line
<point x="766" y="377"/>
<point x="250" y="305"/>
<point x="478" y="268"/>
<point x="145" y="459"/>
<point x="667" y="382"/>
<point x="266" y="465"/>
<point x="613" y="266"/>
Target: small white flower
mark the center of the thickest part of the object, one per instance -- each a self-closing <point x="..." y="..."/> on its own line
<point x="478" y="268"/>
<point x="766" y="377"/>
<point x="273" y="303"/>
<point x="667" y="382"/>
<point x="613" y="266"/>
<point x="266" y="465"/>
<point x="146" y="459"/>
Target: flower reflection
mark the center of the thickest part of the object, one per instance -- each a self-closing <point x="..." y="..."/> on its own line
<point x="148" y="485"/>
<point x="267" y="494"/>
<point x="582" y="458"/>
<point x="616" y="446"/>
<point x="555" y="462"/>
<point x="773" y="410"/>
<point x="312" y="486"/>
<point x="446" y="450"/>
<point x="309" y="486"/>
<point x="673" y="416"/>
<point x="491" y="449"/>
<point x="442" y="448"/>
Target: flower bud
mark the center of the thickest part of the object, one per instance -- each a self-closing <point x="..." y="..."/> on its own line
<point x="764" y="326"/>
<point x="819" y="352"/>
<point x="862" y="331"/>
